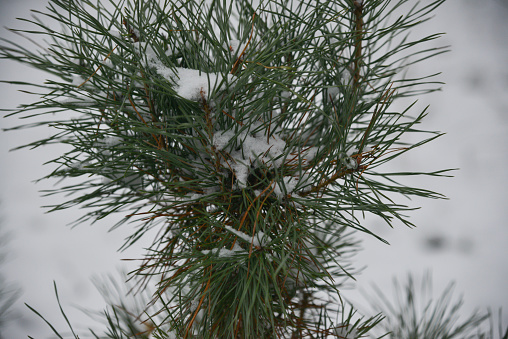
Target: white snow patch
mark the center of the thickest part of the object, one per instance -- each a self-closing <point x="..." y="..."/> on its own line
<point x="77" y="80"/>
<point x="112" y="141"/>
<point x="222" y="138"/>
<point x="348" y="160"/>
<point x="259" y="239"/>
<point x="79" y="164"/>
<point x="194" y="196"/>
<point x="259" y="147"/>
<point x="241" y="171"/>
<point x="287" y="186"/>
<point x="192" y="84"/>
<point x="79" y="102"/>
<point x="350" y="163"/>
<point x="224" y="252"/>
<point x="343" y="331"/>
<point x="254" y="150"/>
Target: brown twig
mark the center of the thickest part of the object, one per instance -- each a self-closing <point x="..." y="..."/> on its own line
<point x="199" y="305"/>
<point x="132" y="34"/>
<point x="358" y="16"/>
<point x="98" y="68"/>
<point x="239" y="60"/>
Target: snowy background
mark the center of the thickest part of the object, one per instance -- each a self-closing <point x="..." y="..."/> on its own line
<point x="464" y="239"/>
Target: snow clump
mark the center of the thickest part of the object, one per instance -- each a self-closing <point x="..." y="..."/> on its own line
<point x="224" y="252"/>
<point x="287" y="186"/>
<point x="190" y="84"/>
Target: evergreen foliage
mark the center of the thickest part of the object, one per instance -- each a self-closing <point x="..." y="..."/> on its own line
<point x="417" y="313"/>
<point x="249" y="136"/>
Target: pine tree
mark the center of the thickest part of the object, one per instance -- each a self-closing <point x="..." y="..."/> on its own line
<point x="250" y="136"/>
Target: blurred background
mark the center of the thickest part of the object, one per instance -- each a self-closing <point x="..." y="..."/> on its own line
<point x="463" y="239"/>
